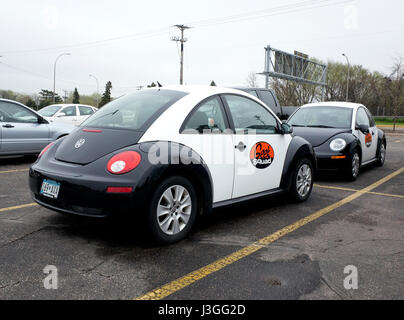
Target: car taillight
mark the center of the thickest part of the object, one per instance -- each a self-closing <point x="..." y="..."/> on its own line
<point x="45" y="149"/>
<point x="124" y="162"/>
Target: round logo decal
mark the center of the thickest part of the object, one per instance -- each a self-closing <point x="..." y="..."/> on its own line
<point x="262" y="155"/>
<point x="368" y="140"/>
<point x="79" y="143"/>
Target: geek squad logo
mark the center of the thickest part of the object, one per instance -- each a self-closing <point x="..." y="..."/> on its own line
<point x="368" y="140"/>
<point x="262" y="155"/>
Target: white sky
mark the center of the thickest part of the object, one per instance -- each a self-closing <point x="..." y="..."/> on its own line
<point x="370" y="32"/>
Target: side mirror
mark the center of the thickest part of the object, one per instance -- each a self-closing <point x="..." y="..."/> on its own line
<point x="286" y="128"/>
<point x="363" y="127"/>
<point x="61" y="115"/>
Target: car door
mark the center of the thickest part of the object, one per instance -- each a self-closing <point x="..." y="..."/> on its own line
<point x="368" y="139"/>
<point x="21" y="131"/>
<point x="206" y="130"/>
<point x="259" y="148"/>
<point x="85" y="112"/>
<point x="68" y="114"/>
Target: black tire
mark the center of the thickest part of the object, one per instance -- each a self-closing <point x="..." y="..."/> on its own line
<point x="294" y="192"/>
<point x="153" y="223"/>
<point x="352" y="172"/>
<point x="382" y="155"/>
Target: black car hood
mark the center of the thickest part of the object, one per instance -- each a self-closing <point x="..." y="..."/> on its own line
<point x="96" y="144"/>
<point x="317" y="136"/>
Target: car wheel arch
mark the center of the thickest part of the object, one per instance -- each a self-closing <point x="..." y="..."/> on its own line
<point x="298" y="149"/>
<point x="197" y="172"/>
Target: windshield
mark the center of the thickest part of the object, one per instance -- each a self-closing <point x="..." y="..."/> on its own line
<point x="134" y="110"/>
<point x="49" y="111"/>
<point x="322" y="117"/>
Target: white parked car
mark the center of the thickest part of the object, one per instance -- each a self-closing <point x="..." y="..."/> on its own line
<point x="69" y="113"/>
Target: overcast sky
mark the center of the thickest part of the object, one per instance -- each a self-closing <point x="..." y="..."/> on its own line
<point x="226" y="43"/>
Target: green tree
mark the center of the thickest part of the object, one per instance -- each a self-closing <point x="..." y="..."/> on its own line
<point x="106" y="97"/>
<point x="31" y="104"/>
<point x="76" y="96"/>
<point x="46" y="98"/>
<point x="213" y="84"/>
<point x="152" y="85"/>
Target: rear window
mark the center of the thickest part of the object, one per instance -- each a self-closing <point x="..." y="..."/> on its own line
<point x="134" y="111"/>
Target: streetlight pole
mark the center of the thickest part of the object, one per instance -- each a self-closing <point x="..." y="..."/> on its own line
<point x="54" y="74"/>
<point x="347" y="82"/>
<point x="98" y="87"/>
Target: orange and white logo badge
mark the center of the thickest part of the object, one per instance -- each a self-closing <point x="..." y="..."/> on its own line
<point x="368" y="140"/>
<point x="262" y="155"/>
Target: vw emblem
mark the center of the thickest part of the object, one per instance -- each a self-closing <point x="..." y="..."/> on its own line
<point x="79" y="143"/>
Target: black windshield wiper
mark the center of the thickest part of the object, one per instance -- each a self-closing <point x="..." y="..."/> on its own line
<point x="321" y="126"/>
<point x="299" y="125"/>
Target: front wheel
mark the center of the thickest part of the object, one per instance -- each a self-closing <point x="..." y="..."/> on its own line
<point x="354" y="165"/>
<point x="302" y="183"/>
<point x="173" y="210"/>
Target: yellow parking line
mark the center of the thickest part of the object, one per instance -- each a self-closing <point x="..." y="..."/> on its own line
<point x="354" y="190"/>
<point x="398" y="141"/>
<point x="201" y="273"/>
<point x="16" y="170"/>
<point x="18" y="207"/>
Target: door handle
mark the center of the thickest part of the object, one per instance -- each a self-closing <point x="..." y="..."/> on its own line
<point x="8" y="126"/>
<point x="241" y="146"/>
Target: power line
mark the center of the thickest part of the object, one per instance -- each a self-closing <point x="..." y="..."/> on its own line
<point x="284" y="9"/>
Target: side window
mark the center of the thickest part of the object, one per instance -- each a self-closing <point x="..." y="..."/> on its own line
<point x="11" y="112"/>
<point x="362" y="117"/>
<point x="371" y="120"/>
<point x="249" y="115"/>
<point x="85" y="111"/>
<point x="268" y="98"/>
<point x="70" y="111"/>
<point x="207" y="118"/>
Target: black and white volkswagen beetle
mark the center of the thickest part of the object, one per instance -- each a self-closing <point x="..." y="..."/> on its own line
<point x="166" y="155"/>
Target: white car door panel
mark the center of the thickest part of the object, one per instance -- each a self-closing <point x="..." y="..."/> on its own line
<point x="259" y="166"/>
<point x="369" y="139"/>
<point x="259" y="149"/>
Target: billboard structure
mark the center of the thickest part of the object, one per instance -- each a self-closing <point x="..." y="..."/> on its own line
<point x="296" y="67"/>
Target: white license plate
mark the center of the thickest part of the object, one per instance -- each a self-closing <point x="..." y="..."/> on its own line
<point x="50" y="188"/>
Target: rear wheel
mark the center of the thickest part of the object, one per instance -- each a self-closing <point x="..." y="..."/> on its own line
<point x="173" y="210"/>
<point x="382" y="155"/>
<point x="302" y="183"/>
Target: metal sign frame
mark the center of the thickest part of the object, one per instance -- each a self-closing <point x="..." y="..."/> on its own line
<point x="295" y="67"/>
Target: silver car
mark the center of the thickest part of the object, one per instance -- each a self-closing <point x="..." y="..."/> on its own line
<point x="24" y="132"/>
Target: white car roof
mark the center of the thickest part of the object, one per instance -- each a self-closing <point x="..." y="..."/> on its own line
<point x="199" y="89"/>
<point x="334" y="104"/>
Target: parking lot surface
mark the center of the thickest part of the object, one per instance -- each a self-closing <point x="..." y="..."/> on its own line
<point x="265" y="249"/>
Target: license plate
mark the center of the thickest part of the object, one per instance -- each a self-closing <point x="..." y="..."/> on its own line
<point x="50" y="188"/>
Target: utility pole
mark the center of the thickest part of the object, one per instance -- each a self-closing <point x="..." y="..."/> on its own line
<point x="65" y="96"/>
<point x="347" y="84"/>
<point x="182" y="40"/>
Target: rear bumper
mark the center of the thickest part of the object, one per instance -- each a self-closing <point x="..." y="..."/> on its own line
<point x="86" y="196"/>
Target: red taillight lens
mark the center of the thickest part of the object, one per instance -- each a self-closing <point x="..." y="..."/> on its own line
<point x="124" y="162"/>
<point x="45" y="149"/>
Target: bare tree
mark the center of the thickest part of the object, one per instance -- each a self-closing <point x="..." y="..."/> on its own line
<point x="396" y="86"/>
<point x="251" y="80"/>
